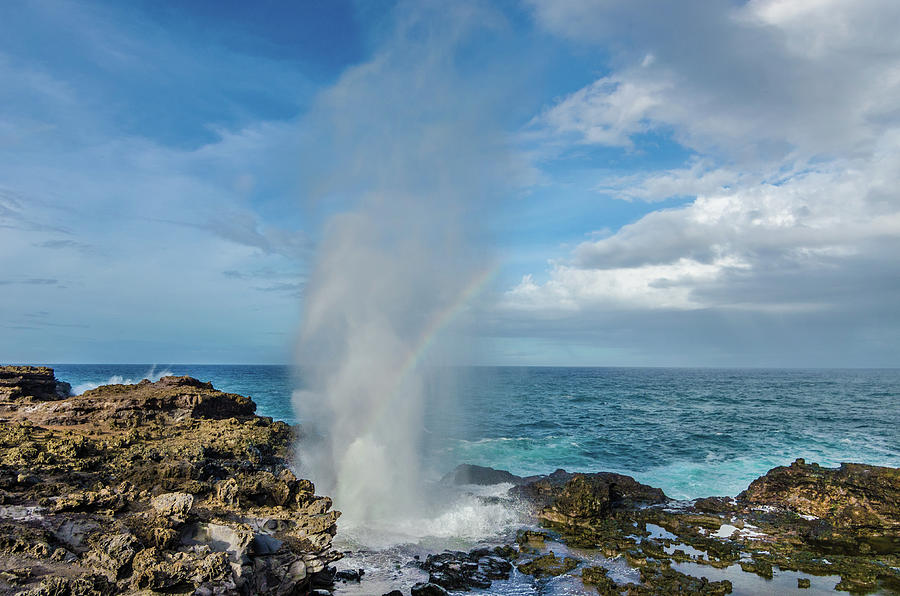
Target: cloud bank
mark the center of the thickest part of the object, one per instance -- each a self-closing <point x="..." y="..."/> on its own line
<point x="789" y="112"/>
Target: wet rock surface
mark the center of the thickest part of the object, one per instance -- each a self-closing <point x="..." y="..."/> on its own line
<point x="461" y="571"/>
<point x="609" y="534"/>
<point x="565" y="498"/>
<point x="169" y="487"/>
<point x="799" y="518"/>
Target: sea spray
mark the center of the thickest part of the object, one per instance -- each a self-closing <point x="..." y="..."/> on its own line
<point x="151" y="375"/>
<point x="371" y="309"/>
<point x="406" y="146"/>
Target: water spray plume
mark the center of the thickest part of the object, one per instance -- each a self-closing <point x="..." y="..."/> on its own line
<point x="413" y="165"/>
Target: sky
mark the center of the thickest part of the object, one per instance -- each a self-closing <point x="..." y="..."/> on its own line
<point x="648" y="184"/>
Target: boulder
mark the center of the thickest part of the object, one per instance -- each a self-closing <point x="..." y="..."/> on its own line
<point x="566" y="498"/>
<point x="428" y="589"/>
<point x="174" y="505"/>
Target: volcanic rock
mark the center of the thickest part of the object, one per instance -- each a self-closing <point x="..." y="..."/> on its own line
<point x="858" y="504"/>
<point x="565" y="498"/>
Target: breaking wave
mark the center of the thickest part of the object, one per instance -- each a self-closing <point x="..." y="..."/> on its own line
<point x="151" y="375"/>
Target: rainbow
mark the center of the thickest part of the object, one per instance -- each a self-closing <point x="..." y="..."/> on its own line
<point x="427" y="338"/>
<point x="442" y="319"/>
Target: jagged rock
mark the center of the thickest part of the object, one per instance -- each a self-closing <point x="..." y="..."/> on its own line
<point x="113" y="553"/>
<point x="598" y="577"/>
<point x="457" y="570"/>
<point x="85" y="585"/>
<point x="858" y="505"/>
<point x="852" y="494"/>
<point x="530" y="538"/>
<point x="173" y="504"/>
<point x="169" y="399"/>
<point x="715" y="505"/>
<point x="349" y="575"/>
<point x="658" y="579"/>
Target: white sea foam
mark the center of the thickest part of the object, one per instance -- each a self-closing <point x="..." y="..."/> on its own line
<point x="466" y="520"/>
<point x="748" y="531"/>
<point x="151" y="375"/>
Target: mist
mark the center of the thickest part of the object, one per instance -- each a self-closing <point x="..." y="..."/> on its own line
<point x="406" y="146"/>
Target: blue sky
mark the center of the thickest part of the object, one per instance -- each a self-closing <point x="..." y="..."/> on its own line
<point x="685" y="184"/>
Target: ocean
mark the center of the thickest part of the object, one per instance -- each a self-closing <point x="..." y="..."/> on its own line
<point x="691" y="432"/>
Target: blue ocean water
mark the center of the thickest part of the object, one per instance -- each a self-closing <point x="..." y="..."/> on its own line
<point x="691" y="432"/>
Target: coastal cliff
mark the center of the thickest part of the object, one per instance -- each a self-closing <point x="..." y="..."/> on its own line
<point x="170" y="486"/>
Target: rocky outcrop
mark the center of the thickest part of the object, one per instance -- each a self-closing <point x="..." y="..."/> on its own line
<point x="857" y="504"/>
<point x="573" y="499"/>
<point x="30" y="383"/>
<point x="471" y="474"/>
<point x="803" y="517"/>
<point x="169" y="400"/>
<point x="170" y="486"/>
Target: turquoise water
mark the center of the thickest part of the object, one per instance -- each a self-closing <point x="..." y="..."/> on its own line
<point x="692" y="432"/>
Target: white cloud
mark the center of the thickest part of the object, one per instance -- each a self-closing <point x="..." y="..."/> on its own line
<point x="698" y="178"/>
<point x="609" y="111"/>
<point x="791" y="112"/>
<point x="725" y="249"/>
<point x="766" y="79"/>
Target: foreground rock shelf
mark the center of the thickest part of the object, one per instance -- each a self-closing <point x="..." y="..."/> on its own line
<point x="170" y="487"/>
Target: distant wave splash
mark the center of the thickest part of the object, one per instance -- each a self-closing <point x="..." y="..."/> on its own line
<point x="151" y="375"/>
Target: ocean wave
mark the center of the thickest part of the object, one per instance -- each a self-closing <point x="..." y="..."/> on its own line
<point x="151" y="375"/>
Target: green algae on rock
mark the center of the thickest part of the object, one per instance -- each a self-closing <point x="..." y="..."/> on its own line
<point x="819" y="521"/>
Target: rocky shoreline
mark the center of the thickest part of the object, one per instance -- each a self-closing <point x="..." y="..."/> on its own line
<point x="840" y="525"/>
<point x="175" y="487"/>
<point x="169" y="487"/>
